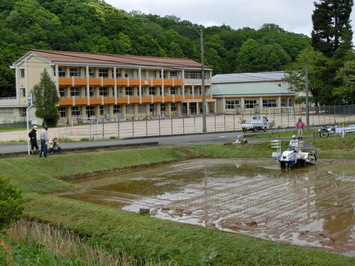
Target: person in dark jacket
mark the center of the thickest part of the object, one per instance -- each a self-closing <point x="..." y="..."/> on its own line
<point x="33" y="140"/>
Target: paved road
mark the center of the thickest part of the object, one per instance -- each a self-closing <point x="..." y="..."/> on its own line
<point x="208" y="138"/>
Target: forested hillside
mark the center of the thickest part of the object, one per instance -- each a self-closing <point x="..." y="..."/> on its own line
<point x="96" y="27"/>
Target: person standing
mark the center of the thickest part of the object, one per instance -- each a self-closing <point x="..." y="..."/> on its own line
<point x="33" y="140"/>
<point x="300" y="126"/>
<point x="43" y="137"/>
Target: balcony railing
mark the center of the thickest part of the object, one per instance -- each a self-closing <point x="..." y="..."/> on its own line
<point x="107" y="81"/>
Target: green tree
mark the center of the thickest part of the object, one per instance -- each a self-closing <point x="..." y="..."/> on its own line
<point x="346" y="75"/>
<point x="11" y="207"/>
<point x="271" y="57"/>
<point x="331" y="25"/>
<point x="332" y="35"/>
<point x="317" y="63"/>
<point x="46" y="99"/>
<point x="247" y="56"/>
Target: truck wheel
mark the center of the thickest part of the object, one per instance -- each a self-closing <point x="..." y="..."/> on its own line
<point x="264" y="129"/>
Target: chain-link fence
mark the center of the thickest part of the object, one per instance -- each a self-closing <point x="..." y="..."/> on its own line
<point x="79" y="128"/>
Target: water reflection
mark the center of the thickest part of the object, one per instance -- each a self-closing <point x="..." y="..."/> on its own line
<point x="310" y="206"/>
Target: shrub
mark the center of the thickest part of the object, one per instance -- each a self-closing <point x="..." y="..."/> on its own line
<point x="11" y="206"/>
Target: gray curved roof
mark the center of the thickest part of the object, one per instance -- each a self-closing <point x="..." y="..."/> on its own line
<point x="248" y="77"/>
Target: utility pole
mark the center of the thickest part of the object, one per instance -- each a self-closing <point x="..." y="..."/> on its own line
<point x="203" y="89"/>
<point x="30" y="103"/>
<point x="307" y="94"/>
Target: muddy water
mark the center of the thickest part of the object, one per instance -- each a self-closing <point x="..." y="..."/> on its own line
<point x="310" y="206"/>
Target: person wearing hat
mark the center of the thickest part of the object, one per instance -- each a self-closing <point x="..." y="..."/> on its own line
<point x="33" y="140"/>
<point x="293" y="143"/>
<point x="300" y="126"/>
<point x="43" y="137"/>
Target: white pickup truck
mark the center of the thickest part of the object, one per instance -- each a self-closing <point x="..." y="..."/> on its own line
<point x="257" y="122"/>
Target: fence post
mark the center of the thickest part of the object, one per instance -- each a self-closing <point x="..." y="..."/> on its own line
<point x="118" y="127"/>
<point x="172" y="127"/>
<point x="215" y="122"/>
<point x="146" y="126"/>
<point x="103" y="128"/>
<point x="183" y="124"/>
<point x="90" y="129"/>
<point x="132" y="126"/>
<point x="224" y="121"/>
<point x="159" y="125"/>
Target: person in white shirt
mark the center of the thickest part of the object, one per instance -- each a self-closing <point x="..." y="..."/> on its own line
<point x="43" y="137"/>
<point x="293" y="143"/>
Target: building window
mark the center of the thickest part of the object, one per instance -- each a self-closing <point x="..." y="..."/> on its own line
<point x="74" y="72"/>
<point x="102" y="111"/>
<point x="75" y="111"/>
<point x="62" y="111"/>
<point x="91" y="92"/>
<point x="23" y="92"/>
<point x="130" y="109"/>
<point x="91" y="73"/>
<point x="162" y="107"/>
<point x="173" y="74"/>
<point x="141" y="108"/>
<point x="269" y="103"/>
<point x="103" y="91"/>
<point x="75" y="92"/>
<point x="173" y="90"/>
<point x="129" y="91"/>
<point x="152" y="91"/>
<point x="90" y="111"/>
<point x="23" y="112"/>
<point x="290" y="102"/>
<point x="232" y="104"/>
<point x="62" y="92"/>
<point x="119" y="92"/>
<point x="283" y="102"/>
<point x="152" y="108"/>
<point x="164" y="74"/>
<point x="118" y="73"/>
<point x="193" y="75"/>
<point x="250" y="103"/>
<point x="6" y="112"/>
<point x="103" y="73"/>
<point x="129" y="74"/>
<point x="61" y="71"/>
<point x="173" y="107"/>
<point x="151" y="74"/>
<point x="117" y="109"/>
<point x="22" y="73"/>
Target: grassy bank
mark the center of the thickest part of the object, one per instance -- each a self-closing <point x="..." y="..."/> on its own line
<point x="146" y="239"/>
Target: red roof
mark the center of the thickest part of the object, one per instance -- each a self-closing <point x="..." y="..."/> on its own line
<point x="115" y="59"/>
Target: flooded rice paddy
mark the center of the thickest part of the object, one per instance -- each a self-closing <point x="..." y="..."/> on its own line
<point x="311" y="206"/>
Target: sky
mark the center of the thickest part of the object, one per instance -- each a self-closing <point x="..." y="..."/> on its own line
<point x="291" y="15"/>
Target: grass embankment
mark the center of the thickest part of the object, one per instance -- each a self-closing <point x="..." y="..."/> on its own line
<point x="149" y="239"/>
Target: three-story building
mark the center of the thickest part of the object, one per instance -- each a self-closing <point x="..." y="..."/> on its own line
<point x="116" y="86"/>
